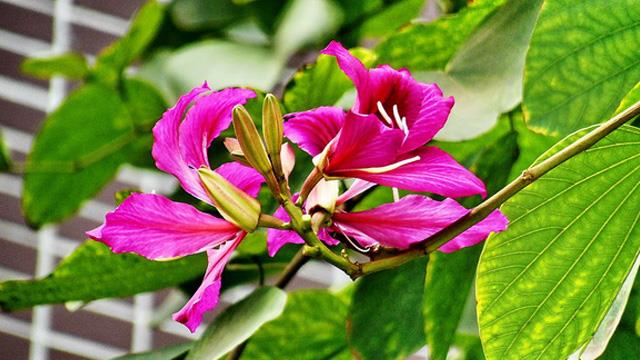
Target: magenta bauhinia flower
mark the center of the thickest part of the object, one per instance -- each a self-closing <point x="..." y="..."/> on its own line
<point x="157" y="228"/>
<point x="381" y="139"/>
<point x="399" y="224"/>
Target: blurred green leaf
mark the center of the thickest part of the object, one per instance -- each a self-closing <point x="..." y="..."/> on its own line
<point x="5" y="157"/>
<point x="238" y="323"/>
<point x="429" y="46"/>
<point x="77" y="151"/>
<point x="469" y="347"/>
<point x="450" y="276"/>
<point x="69" y="65"/>
<point x="115" y="58"/>
<point x="385" y="313"/>
<point x="485" y="75"/>
<point x="546" y="283"/>
<point x="196" y="15"/>
<point x="624" y="345"/>
<point x="94" y="272"/>
<point x="382" y="20"/>
<point x="312" y="326"/>
<point x="221" y="63"/>
<point x="167" y="353"/>
<point x="631" y="98"/>
<point x="322" y="83"/>
<point x="531" y="145"/>
<point x="305" y="22"/>
<point x="569" y="87"/>
<point x="144" y="102"/>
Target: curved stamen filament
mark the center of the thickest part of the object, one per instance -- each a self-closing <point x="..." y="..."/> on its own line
<point x="383" y="169"/>
<point x="384" y="114"/>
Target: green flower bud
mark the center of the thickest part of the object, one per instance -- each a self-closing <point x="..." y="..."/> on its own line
<point x="234" y="205"/>
<point x="250" y="142"/>
<point x="272" y="128"/>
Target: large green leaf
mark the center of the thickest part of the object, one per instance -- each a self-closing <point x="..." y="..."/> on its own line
<point x="195" y="15"/>
<point x="450" y="276"/>
<point x="631" y="98"/>
<point x="69" y="65"/>
<point x="386" y="316"/>
<point x="485" y="75"/>
<point x="238" y="323"/>
<point x="312" y="327"/>
<point x="385" y="18"/>
<point x="78" y="150"/>
<point x="580" y="80"/>
<point x="624" y="345"/>
<point x="321" y="84"/>
<point x="546" y="283"/>
<point x="94" y="272"/>
<point x="429" y="46"/>
<point x="168" y="353"/>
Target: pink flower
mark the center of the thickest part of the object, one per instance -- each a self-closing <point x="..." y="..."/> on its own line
<point x="157" y="228"/>
<point x="410" y="220"/>
<point x="382" y="138"/>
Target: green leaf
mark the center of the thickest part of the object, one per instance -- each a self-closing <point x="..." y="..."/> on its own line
<point x="386" y="316"/>
<point x="485" y="75"/>
<point x="69" y="65"/>
<point x="429" y="46"/>
<point x="144" y="102"/>
<point x="631" y="98"/>
<point x="78" y="150"/>
<point x="238" y="323"/>
<point x="581" y="83"/>
<point x="197" y="15"/>
<point x="94" y="272"/>
<point x="546" y="283"/>
<point x="167" y="353"/>
<point x="312" y="326"/>
<point x="450" y="276"/>
<point x="321" y="84"/>
<point x="5" y="157"/>
<point x="388" y="19"/>
<point x="115" y="58"/>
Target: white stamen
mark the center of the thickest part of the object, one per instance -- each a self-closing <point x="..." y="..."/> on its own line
<point x="404" y="127"/>
<point x="396" y="115"/>
<point x="383" y="169"/>
<point x="396" y="194"/>
<point x="384" y="114"/>
<point x="353" y="243"/>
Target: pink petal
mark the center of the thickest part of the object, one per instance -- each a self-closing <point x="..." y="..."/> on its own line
<point x="363" y="142"/>
<point x="207" y="296"/>
<point x="205" y="120"/>
<point x="288" y="158"/>
<point x="350" y="65"/>
<point x="166" y="149"/>
<point x="157" y="228"/>
<point x="357" y="188"/>
<point x="243" y="177"/>
<point x="312" y="130"/>
<point x="276" y="239"/>
<point x="413" y="219"/>
<point x="436" y="172"/>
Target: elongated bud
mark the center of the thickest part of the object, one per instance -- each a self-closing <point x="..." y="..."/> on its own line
<point x="250" y="142"/>
<point x="234" y="205"/>
<point x="272" y="128"/>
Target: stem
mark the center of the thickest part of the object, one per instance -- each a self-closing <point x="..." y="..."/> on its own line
<point x="483" y="210"/>
<point x="270" y="221"/>
<point x="310" y="182"/>
<point x="285" y="278"/>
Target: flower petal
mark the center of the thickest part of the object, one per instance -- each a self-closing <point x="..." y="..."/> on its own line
<point x="435" y="172"/>
<point x="363" y="142"/>
<point x="356" y="188"/>
<point x="312" y="130"/>
<point x="157" y="228"/>
<point x="166" y="145"/>
<point x="288" y="159"/>
<point x="350" y="65"/>
<point x="413" y="219"/>
<point x="207" y="296"/>
<point x="276" y="239"/>
<point x="205" y="120"/>
<point x="243" y="177"/>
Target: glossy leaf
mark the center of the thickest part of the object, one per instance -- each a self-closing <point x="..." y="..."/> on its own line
<point x="63" y="170"/>
<point x="69" y="65"/>
<point x="385" y="314"/>
<point x="312" y="326"/>
<point x="94" y="272"/>
<point x="581" y="83"/>
<point x="321" y="84"/>
<point x="485" y="75"/>
<point x="386" y="19"/>
<point x="631" y="98"/>
<point x="197" y="15"/>
<point x="429" y="46"/>
<point x="546" y="283"/>
<point x="238" y="323"/>
<point x="450" y="276"/>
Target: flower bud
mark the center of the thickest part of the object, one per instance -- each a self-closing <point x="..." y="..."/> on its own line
<point x="272" y="126"/>
<point x="234" y="205"/>
<point x="250" y="142"/>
